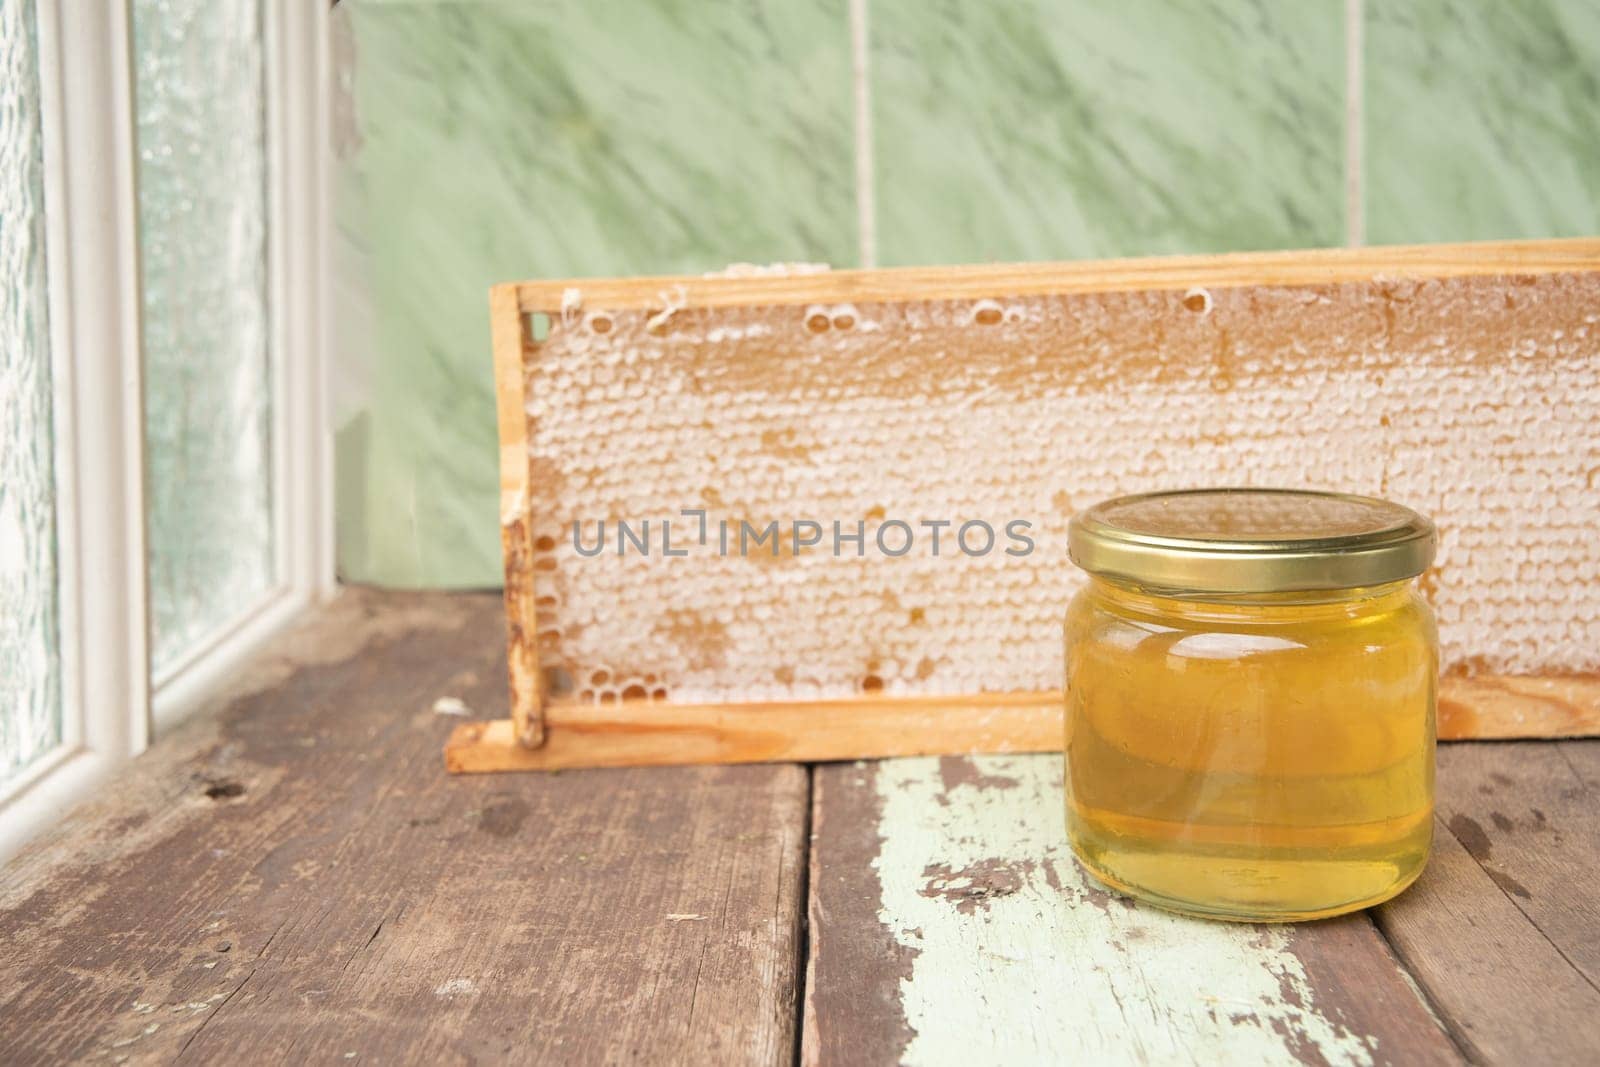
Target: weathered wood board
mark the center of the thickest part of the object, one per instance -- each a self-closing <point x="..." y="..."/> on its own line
<point x="947" y="915"/>
<point x="1503" y="930"/>
<point x="1462" y="380"/>
<point x="946" y="910"/>
<point x="292" y="881"/>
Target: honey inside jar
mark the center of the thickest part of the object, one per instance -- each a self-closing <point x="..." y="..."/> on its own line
<point x="1238" y="747"/>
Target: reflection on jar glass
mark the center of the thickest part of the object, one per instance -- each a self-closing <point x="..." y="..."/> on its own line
<point x="1250" y="701"/>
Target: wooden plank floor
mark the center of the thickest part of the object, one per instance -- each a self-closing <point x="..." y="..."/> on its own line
<point x="947" y="915"/>
<point x="298" y="881"/>
<point x="294" y="878"/>
<point x="1503" y="930"/>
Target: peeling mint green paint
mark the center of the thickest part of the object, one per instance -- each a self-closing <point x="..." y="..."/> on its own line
<point x="491" y="141"/>
<point x="1028" y="129"/>
<point x="1046" y="967"/>
<point x="1483" y="120"/>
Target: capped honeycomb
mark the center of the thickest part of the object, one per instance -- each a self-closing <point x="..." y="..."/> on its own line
<point x="1474" y="400"/>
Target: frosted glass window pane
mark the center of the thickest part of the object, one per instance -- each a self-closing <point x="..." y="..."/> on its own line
<point x="202" y="214"/>
<point x="30" y="672"/>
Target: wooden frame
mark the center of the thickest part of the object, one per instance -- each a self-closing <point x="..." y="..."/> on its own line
<point x="543" y="734"/>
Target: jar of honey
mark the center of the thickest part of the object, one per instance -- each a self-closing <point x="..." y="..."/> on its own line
<point x="1250" y="697"/>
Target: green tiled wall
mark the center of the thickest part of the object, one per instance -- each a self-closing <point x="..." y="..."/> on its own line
<point x="489" y="141"/>
<point x="1033" y="129"/>
<point x="485" y="140"/>
<point x="1483" y="119"/>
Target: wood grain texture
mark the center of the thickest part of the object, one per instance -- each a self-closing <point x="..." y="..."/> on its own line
<point x="1529" y="814"/>
<point x="1501" y="707"/>
<point x="947" y="916"/>
<point x="1502" y="929"/>
<point x="633" y="734"/>
<point x="516" y="537"/>
<point x="647" y="733"/>
<point x="1300" y="267"/>
<point x="855" y="964"/>
<point x="294" y="880"/>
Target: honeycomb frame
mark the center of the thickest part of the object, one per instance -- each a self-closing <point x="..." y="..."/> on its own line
<point x="1459" y="379"/>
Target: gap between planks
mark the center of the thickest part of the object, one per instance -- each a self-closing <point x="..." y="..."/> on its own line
<point x="803" y="972"/>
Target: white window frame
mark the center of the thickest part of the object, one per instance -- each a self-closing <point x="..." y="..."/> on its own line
<point x="86" y="122"/>
<point x="109" y="706"/>
<point x="297" y="71"/>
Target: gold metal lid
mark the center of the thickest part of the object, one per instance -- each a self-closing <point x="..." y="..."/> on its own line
<point x="1251" y="540"/>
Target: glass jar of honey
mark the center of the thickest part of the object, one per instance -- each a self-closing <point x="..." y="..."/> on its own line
<point x="1250" y="701"/>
